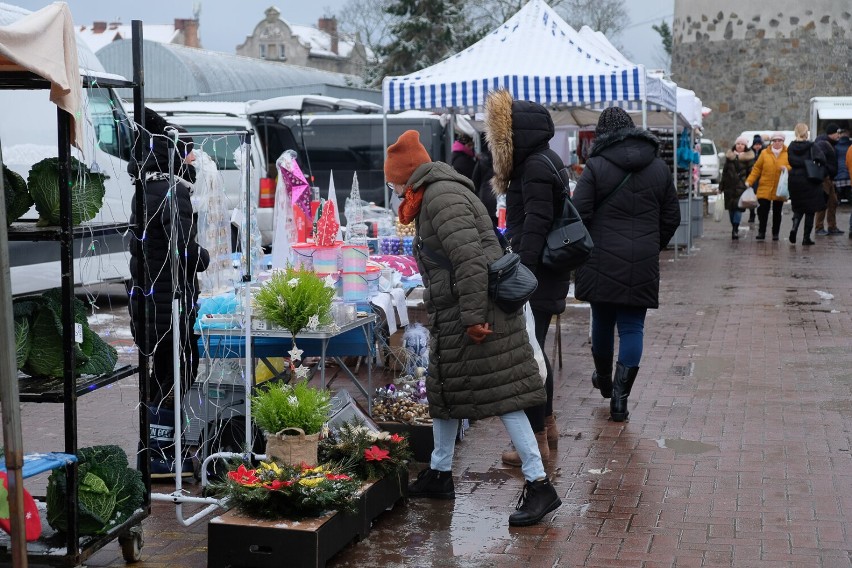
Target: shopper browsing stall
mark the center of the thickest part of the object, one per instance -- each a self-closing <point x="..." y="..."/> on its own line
<point x="480" y="361"/>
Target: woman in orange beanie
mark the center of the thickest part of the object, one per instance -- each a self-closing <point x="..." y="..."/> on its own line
<point x="480" y="360"/>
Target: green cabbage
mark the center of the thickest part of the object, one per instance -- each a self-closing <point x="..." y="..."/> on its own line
<point x="18" y="199"/>
<point x="87" y="191"/>
<point x="22" y="341"/>
<point x="108" y="493"/>
<point x="45" y="358"/>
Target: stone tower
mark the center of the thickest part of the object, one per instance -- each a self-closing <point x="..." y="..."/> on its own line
<point x="758" y="64"/>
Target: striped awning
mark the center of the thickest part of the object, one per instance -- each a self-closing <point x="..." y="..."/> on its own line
<point x="535" y="55"/>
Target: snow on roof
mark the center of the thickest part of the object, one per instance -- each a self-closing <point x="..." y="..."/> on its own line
<point x="162" y="33"/>
<point x="319" y="42"/>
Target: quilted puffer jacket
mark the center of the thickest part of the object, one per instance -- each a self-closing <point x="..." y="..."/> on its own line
<point x="631" y="228"/>
<point x="467" y="380"/>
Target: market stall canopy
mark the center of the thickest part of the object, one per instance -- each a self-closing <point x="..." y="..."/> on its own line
<point x="538" y="57"/>
<point x="31" y="44"/>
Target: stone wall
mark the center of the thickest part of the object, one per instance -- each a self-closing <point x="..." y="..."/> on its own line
<point x="758" y="71"/>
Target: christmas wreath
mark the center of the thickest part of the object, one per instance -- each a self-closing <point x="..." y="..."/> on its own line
<point x="369" y="455"/>
<point x="274" y="490"/>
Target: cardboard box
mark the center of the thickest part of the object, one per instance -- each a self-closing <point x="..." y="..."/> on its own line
<point x="238" y="541"/>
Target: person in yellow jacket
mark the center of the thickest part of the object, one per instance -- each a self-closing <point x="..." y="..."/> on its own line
<point x="768" y="169"/>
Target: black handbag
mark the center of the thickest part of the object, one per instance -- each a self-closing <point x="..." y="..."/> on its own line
<point x="510" y="283"/>
<point x="814" y="170"/>
<point x="568" y="244"/>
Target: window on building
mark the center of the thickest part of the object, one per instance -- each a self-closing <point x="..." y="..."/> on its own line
<point x="281" y="53"/>
<point x="263" y="51"/>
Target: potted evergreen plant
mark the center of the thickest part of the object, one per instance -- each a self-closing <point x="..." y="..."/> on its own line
<point x="292" y="416"/>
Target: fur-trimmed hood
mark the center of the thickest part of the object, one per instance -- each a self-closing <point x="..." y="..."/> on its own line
<point x="743" y="156"/>
<point x="514" y="130"/>
<point x="631" y="149"/>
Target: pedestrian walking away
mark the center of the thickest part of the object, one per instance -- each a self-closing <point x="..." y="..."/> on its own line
<point x="481" y="362"/>
<point x="518" y="133"/>
<point x="627" y="199"/>
<point x="807" y="196"/>
<point x="738" y="163"/>
<point x="463" y="158"/>
<point x="825" y="221"/>
<point x="766" y="173"/>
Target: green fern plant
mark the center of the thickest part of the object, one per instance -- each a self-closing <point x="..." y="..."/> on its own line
<point x="276" y="407"/>
<point x="290" y="297"/>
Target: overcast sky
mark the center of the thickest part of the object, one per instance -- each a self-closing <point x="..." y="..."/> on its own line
<point x="224" y="25"/>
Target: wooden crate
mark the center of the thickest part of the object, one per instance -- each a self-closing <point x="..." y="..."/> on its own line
<point x="238" y="541"/>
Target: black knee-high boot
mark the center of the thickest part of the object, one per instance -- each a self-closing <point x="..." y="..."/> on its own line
<point x="735" y="232"/>
<point x="795" y="229"/>
<point x="602" y="376"/>
<point x="622" y="383"/>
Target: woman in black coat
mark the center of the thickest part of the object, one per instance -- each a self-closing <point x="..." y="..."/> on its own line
<point x="627" y="199"/>
<point x="163" y="280"/>
<point x="738" y="163"/>
<point x="807" y="197"/>
<point x="518" y="134"/>
<point x="463" y="158"/>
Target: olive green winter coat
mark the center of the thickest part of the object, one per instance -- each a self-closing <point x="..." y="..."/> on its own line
<point x="467" y="380"/>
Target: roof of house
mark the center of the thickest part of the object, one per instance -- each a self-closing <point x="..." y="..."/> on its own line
<point x="162" y="33"/>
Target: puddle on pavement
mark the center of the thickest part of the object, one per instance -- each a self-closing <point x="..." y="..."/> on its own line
<point x="681" y="446"/>
<point x="705" y="368"/>
<point x="792" y="302"/>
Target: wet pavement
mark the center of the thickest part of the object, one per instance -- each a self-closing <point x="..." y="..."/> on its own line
<point x="737" y="452"/>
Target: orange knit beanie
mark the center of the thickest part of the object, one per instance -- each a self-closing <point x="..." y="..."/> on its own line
<point x="404" y="156"/>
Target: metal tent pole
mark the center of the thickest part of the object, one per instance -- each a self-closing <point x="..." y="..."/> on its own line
<point x="12" y="438"/>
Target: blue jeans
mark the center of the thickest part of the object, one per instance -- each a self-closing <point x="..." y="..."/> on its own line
<point x="736" y="216"/>
<point x="631" y="331"/>
<point x="516" y="423"/>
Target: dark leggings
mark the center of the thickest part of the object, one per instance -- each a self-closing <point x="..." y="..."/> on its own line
<point x="162" y="370"/>
<point x="763" y="216"/>
<point x="537" y="414"/>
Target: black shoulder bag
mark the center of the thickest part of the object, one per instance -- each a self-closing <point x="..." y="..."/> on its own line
<point x="510" y="283"/>
<point x="814" y="170"/>
<point x="568" y="244"/>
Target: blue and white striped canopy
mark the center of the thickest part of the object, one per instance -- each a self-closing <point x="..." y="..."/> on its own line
<point x="535" y="55"/>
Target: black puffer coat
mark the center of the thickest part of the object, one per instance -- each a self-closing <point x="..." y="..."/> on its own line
<point x="467" y="380"/>
<point x="631" y="228"/>
<point x="517" y="131"/>
<point x="734" y="175"/>
<point x="806" y="196"/>
<point x="159" y="253"/>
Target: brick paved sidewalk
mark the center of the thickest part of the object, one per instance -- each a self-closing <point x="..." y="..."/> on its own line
<point x="737" y="452"/>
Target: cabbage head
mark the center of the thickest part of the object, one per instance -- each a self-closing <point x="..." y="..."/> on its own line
<point x="22" y="341"/>
<point x="18" y="199"/>
<point x="45" y="357"/>
<point x="108" y="493"/>
<point x="87" y="191"/>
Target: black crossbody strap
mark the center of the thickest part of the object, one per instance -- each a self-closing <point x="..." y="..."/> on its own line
<point x="613" y="192"/>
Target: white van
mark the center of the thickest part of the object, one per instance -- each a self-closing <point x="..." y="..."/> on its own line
<point x="709" y="167"/>
<point x="28" y="134"/>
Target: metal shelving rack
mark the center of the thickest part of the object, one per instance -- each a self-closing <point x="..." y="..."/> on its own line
<point x="47" y="550"/>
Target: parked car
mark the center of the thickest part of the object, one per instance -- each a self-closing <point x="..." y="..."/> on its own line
<point x="710" y="164"/>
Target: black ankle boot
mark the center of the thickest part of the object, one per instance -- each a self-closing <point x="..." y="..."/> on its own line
<point x="537" y="499"/>
<point x="433" y="484"/>
<point x="622" y="383"/>
<point x="735" y="233"/>
<point x="602" y="375"/>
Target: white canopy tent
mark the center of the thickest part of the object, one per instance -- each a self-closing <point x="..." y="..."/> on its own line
<point x="538" y="57"/>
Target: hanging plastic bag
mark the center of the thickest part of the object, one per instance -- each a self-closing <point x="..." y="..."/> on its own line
<point x="748" y="200"/>
<point x="537" y="352"/>
<point x="783" y="190"/>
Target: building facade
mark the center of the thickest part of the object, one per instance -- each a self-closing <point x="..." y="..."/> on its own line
<point x="322" y="47"/>
<point x="758" y="64"/>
